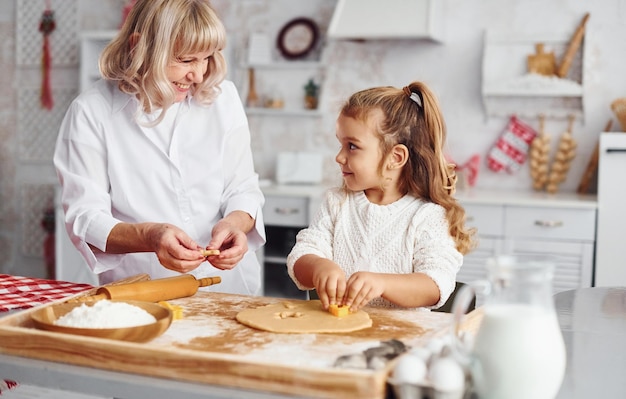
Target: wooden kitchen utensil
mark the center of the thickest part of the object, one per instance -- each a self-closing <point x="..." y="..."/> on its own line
<point x="541" y="63"/>
<point x="253" y="97"/>
<point x="162" y="289"/>
<point x="45" y="319"/>
<point x="574" y="45"/>
<point x="618" y="107"/>
<point x="592" y="165"/>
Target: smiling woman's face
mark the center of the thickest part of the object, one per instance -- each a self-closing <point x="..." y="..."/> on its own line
<point x="187" y="70"/>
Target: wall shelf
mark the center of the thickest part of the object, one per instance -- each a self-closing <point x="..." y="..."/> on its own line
<point x="509" y="89"/>
<point x="275" y="79"/>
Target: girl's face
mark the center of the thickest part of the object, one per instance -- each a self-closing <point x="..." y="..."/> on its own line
<point x="187" y="70"/>
<point x="360" y="155"/>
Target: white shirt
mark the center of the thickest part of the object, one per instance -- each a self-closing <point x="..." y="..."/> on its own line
<point x="407" y="236"/>
<point x="192" y="169"/>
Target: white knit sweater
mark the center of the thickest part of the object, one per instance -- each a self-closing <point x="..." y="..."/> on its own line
<point x="407" y="236"/>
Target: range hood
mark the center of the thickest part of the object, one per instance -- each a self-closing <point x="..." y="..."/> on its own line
<point x="386" y="19"/>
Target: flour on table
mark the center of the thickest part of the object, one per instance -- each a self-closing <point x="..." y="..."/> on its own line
<point x="106" y="314"/>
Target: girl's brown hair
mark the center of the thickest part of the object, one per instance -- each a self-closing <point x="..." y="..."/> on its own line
<point x="161" y="32"/>
<point x="412" y="117"/>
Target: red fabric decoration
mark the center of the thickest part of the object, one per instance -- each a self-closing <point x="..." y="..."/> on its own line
<point x="126" y="10"/>
<point x="46" y="26"/>
<point x="5" y="385"/>
<point x="471" y="169"/>
<point x="511" y="149"/>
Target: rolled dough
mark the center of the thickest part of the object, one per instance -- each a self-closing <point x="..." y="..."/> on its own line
<point x="295" y="316"/>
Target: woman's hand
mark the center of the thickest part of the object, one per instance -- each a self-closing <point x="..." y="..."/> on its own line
<point x="232" y="243"/>
<point x="361" y="288"/>
<point x="174" y="248"/>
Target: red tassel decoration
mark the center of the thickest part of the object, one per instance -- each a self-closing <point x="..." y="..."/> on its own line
<point x="46" y="26"/>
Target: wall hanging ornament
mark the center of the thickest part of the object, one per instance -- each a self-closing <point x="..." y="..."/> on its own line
<point x="565" y="153"/>
<point x="46" y="27"/>
<point x="467" y="174"/>
<point x="510" y="151"/>
<point x="539" y="157"/>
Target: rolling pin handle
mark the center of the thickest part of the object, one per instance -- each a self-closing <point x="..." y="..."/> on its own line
<point x="205" y="282"/>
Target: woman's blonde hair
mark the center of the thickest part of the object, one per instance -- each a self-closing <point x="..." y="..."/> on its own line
<point x="412" y="117"/>
<point x="156" y="33"/>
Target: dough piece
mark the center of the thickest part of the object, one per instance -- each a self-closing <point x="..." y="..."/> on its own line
<point x="210" y="252"/>
<point x="339" y="311"/>
<point x="303" y="317"/>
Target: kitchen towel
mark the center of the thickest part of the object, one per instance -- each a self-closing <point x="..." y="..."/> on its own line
<point x="18" y="292"/>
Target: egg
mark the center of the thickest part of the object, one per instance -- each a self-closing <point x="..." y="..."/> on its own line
<point x="446" y="375"/>
<point x="409" y="369"/>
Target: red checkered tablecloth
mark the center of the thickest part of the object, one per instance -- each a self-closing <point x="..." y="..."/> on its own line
<point x="25" y="292"/>
<point x="18" y="292"/>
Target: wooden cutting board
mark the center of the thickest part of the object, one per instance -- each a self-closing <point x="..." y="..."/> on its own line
<point x="209" y="346"/>
<point x="541" y="63"/>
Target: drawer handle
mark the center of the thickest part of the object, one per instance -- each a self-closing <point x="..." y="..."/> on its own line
<point x="287" y="211"/>
<point x="548" y="223"/>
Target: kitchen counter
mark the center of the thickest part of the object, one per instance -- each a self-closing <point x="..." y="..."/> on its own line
<point x="465" y="196"/>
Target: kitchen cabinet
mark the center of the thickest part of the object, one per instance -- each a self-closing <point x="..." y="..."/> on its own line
<point x="560" y="227"/>
<point x="287" y="210"/>
<point x="611" y="248"/>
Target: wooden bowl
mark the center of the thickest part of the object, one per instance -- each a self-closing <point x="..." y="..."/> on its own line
<point x="44" y="319"/>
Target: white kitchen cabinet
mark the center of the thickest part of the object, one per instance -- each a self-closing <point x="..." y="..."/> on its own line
<point x="611" y="248"/>
<point x="560" y="227"/>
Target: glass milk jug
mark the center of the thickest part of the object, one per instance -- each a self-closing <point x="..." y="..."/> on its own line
<point x="518" y="351"/>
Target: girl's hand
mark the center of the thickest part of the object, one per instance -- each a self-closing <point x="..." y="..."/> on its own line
<point x="362" y="287"/>
<point x="330" y="282"/>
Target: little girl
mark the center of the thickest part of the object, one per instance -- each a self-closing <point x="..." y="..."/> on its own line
<point x="393" y="235"/>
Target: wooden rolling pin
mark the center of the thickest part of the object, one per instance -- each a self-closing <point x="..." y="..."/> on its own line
<point x="572" y="48"/>
<point x="162" y="289"/>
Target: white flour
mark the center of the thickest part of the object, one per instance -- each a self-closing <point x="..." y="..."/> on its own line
<point x="106" y="314"/>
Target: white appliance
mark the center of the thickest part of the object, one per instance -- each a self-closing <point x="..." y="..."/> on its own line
<point x="610" y="264"/>
<point x="299" y="168"/>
